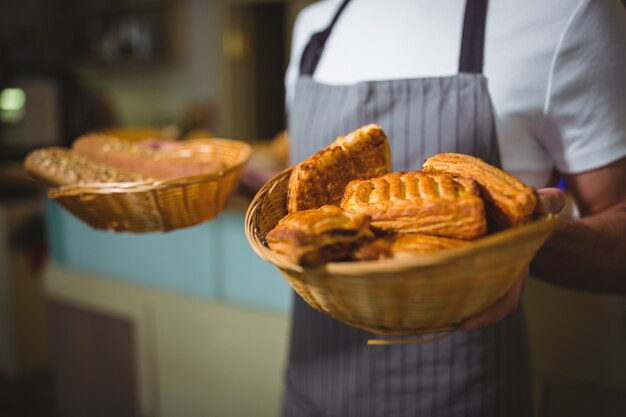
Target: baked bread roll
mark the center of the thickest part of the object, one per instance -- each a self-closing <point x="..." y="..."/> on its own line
<point x="322" y="178"/>
<point x="509" y="201"/>
<point x="404" y="245"/>
<point x="60" y="166"/>
<point x="161" y="164"/>
<point x="316" y="236"/>
<point x="415" y="202"/>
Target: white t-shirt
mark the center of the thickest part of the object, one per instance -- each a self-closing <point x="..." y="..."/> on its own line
<point x="556" y="69"/>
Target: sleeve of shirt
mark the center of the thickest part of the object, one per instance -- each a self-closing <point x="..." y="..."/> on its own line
<point x="585" y="105"/>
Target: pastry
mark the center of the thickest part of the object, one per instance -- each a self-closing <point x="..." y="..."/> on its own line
<point x="313" y="237"/>
<point x="404" y="245"/>
<point x="321" y="179"/>
<point x="60" y="166"/>
<point x="509" y="201"/>
<point x="415" y="202"/>
<point x="161" y="164"/>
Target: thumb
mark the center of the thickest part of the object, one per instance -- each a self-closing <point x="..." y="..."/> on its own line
<point x="551" y="200"/>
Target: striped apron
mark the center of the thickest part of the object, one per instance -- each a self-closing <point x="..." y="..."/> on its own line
<point x="331" y="369"/>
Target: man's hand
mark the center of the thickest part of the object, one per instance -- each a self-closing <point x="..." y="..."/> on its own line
<point x="551" y="200"/>
<point x="254" y="177"/>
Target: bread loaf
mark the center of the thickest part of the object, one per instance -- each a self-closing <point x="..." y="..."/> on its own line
<point x="161" y="164"/>
<point x="60" y="166"/>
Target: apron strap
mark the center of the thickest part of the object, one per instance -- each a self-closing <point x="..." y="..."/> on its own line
<point x="473" y="42"/>
<point x="313" y="51"/>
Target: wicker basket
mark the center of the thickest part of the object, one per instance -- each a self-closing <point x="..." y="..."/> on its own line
<point x="150" y="206"/>
<point x="426" y="294"/>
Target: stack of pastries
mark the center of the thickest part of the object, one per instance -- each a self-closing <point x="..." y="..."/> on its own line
<point x="344" y="204"/>
<point x="99" y="158"/>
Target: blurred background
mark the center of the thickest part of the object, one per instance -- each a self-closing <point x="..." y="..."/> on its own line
<point x="191" y="322"/>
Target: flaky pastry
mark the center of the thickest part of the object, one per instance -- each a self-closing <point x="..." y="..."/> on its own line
<point x="403" y="245"/>
<point x="321" y="179"/>
<point x="415" y="202"/>
<point x="313" y="237"/>
<point x="509" y="201"/>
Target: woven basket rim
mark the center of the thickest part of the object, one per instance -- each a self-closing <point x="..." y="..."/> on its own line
<point x="142" y="186"/>
<point x="542" y="225"/>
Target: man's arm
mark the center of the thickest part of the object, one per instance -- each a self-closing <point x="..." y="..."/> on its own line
<point x="590" y="252"/>
<point x="587" y="253"/>
<point x="552" y="200"/>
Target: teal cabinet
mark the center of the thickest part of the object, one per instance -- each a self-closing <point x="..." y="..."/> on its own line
<point x="212" y="260"/>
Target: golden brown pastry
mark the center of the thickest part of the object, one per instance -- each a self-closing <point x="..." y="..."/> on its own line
<point x="321" y="178"/>
<point x="316" y="236"/>
<point x="404" y="245"/>
<point x="161" y="164"/>
<point x="60" y="166"/>
<point x="415" y="202"/>
<point x="509" y="201"/>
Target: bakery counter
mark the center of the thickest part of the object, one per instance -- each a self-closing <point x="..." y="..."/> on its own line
<point x="211" y="261"/>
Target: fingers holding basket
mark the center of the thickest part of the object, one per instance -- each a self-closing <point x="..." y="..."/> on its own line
<point x="551" y="200"/>
<point x="500" y="309"/>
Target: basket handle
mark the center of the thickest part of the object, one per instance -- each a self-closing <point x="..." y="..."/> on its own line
<point x="379" y="342"/>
